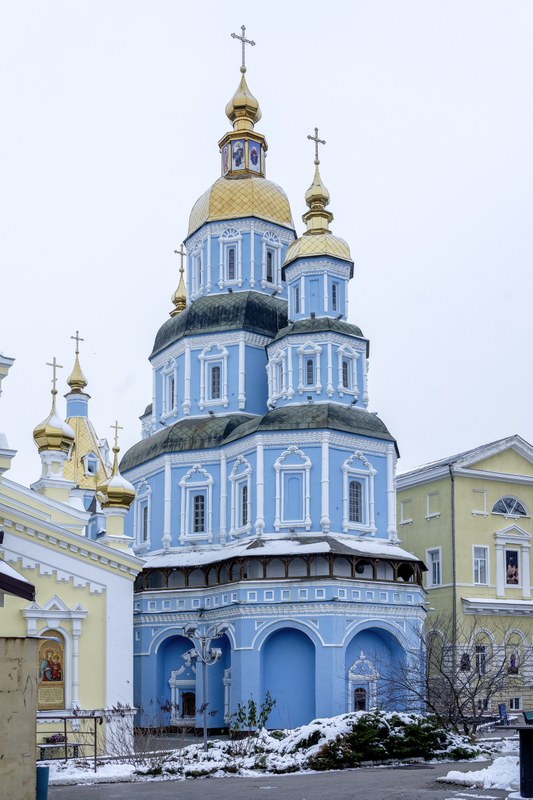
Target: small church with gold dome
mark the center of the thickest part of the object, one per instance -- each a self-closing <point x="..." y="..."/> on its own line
<point x="265" y="485"/>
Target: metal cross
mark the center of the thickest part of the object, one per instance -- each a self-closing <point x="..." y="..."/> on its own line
<point x="181" y="252"/>
<point x="317" y="141"/>
<point x="116" y="427"/>
<point x="244" y="41"/>
<point x="78" y="340"/>
<point x="55" y="366"/>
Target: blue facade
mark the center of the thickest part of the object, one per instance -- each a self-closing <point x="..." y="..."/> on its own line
<point x="265" y="487"/>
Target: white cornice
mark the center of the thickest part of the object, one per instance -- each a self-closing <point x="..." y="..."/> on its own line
<point x="198" y="342"/>
<point x="487" y="606"/>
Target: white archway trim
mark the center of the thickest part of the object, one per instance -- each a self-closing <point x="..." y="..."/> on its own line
<point x="362" y="674"/>
<point x="196" y="481"/>
<point x="292" y="462"/>
<point x="211" y="356"/>
<point x="240" y="480"/>
<point x="358" y="468"/>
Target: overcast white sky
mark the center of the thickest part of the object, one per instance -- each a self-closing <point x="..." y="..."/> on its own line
<point x="111" y="113"/>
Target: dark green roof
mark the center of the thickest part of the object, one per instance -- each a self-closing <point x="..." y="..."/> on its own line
<point x="313" y="325"/>
<point x="248" y="311"/>
<point x="187" y="434"/>
<point x="313" y="416"/>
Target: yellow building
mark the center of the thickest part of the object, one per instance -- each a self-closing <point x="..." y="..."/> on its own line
<point x="468" y="517"/>
<point x="84" y="586"/>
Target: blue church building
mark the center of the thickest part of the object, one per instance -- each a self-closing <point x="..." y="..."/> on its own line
<point x="265" y="487"/>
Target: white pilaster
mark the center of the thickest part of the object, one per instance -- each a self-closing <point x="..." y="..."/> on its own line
<point x="168" y="505"/>
<point x="186" y="405"/>
<point x="500" y="570"/>
<point x="208" y="281"/>
<point x="223" y="496"/>
<point x="391" y="494"/>
<point x="324" y="519"/>
<point x="242" y="373"/>
<point x="252" y="255"/>
<point x="260" y="488"/>
<point x="526" y="579"/>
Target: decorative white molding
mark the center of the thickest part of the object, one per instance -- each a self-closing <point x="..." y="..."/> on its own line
<point x="365" y="475"/>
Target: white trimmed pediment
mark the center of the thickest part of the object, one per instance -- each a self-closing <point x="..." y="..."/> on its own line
<point x="512" y="533"/>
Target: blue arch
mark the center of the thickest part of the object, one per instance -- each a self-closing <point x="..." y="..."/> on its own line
<point x="382" y="666"/>
<point x="288" y="668"/>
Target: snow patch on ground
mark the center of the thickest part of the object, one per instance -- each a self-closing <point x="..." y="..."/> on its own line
<point x="503" y="773"/>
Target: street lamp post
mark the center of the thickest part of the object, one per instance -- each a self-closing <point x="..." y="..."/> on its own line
<point x="206" y="654"/>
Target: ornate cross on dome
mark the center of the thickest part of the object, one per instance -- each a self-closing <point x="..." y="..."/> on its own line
<point x="244" y="41"/>
<point x="116" y="427"/>
<point x="78" y="340"/>
<point x="181" y="252"/>
<point x="317" y="141"/>
<point x="55" y="366"/>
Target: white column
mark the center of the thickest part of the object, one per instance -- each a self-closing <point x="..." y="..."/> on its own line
<point x="223" y="496"/>
<point x="154" y="397"/>
<point x="168" y="505"/>
<point x="260" y="488"/>
<point x="242" y="373"/>
<point x="365" y="380"/>
<point x="526" y="579"/>
<point x="324" y="519"/>
<point x="252" y="255"/>
<point x="330" y="370"/>
<point x="302" y="295"/>
<point x="208" y="281"/>
<point x="391" y="494"/>
<point x="325" y="292"/>
<point x="186" y="405"/>
<point x="76" y="631"/>
<point x="290" y="387"/>
<point x="500" y="570"/>
<point x="220" y="264"/>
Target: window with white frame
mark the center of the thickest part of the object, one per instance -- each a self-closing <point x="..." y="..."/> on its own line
<point x="213" y="376"/>
<point x="169" y="405"/>
<point x="432" y="505"/>
<point x="512" y="567"/>
<point x="197" y="277"/>
<point x="277" y="375"/>
<point x="481" y="565"/>
<point x="309" y="376"/>
<point x="271" y="258"/>
<point x="434" y="565"/>
<point x="481" y="658"/>
<point x="358" y="495"/>
<point x="230" y="270"/>
<point x="515" y="703"/>
<point x="406" y="511"/>
<point x="510" y="507"/>
<point x="296" y="296"/>
<point x="240" y="507"/>
<point x="293" y="502"/>
<point x="347" y="371"/>
<point x="90" y="464"/>
<point x="142" y="514"/>
<point x="231" y="263"/>
<point x="334" y="296"/>
<point x="196" y="505"/>
<point x="479" y="502"/>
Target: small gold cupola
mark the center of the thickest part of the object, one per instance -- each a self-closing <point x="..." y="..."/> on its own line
<point x="116" y="492"/>
<point x="77" y="380"/>
<point x="179" y="297"/>
<point x="53" y="433"/>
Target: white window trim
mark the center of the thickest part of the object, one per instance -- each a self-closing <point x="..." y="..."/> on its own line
<point x="431" y="514"/>
<point x="189" y="488"/>
<point x="429" y="564"/>
<point x="271" y="242"/>
<point x="337" y="304"/>
<point x="511" y="516"/>
<point x="87" y="459"/>
<point x="362" y="673"/>
<point x="365" y="474"/>
<point x="197" y="273"/>
<point x="169" y="374"/>
<point x="213" y="355"/>
<point x="347" y="353"/>
<point x="303" y="468"/>
<point x="276" y="363"/>
<point x="403" y="503"/>
<point x="142" y="499"/>
<point x="476" y="512"/>
<point x="487" y="570"/>
<point x="241" y="475"/>
<point x="307" y="351"/>
<point x="513" y="538"/>
<point x="230" y="238"/>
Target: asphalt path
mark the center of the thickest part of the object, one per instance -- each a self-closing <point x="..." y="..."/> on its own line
<point x="407" y="782"/>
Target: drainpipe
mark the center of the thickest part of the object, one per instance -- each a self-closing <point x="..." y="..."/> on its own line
<point x="454" y="571"/>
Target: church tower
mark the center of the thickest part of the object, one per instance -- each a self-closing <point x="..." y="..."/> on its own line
<point x="265" y="487"/>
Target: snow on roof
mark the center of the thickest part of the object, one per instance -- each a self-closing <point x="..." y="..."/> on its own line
<point x="287" y="546"/>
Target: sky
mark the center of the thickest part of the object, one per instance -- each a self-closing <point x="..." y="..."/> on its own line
<point x="111" y="114"/>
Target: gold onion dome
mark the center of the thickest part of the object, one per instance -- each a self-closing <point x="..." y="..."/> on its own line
<point x="77" y="380"/>
<point x="116" y="491"/>
<point x="53" y="433"/>
<point x="317" y="239"/>
<point x="179" y="297"/>
<point x="243" y="108"/>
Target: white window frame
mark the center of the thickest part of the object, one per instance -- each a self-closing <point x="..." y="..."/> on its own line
<point x="213" y="355"/>
<point x="429" y="513"/>
<point x="169" y="377"/>
<point x="357" y="467"/>
<point x="516" y="538"/>
<point x="430" y="563"/>
<point x="230" y="238"/>
<point x="277" y="369"/>
<point x="335" y="291"/>
<point x="296" y="297"/>
<point x="90" y="464"/>
<point x="271" y="242"/>
<point x="313" y="351"/>
<point x="349" y="354"/>
<point x="506" y="515"/>
<point x="197" y="272"/>
<point x="292" y="460"/>
<point x="482" y="495"/>
<point x="240" y="476"/>
<point x="476" y="561"/>
<point x="515" y="704"/>
<point x="143" y="500"/>
<point x="404" y="506"/>
<point x="481" y="656"/>
<point x="196" y="481"/>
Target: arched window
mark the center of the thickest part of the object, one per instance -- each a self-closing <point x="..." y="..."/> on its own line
<point x="510" y="507"/>
<point x="310" y="372"/>
<point x="359" y="699"/>
<point x="176" y="580"/>
<point x="355" y="502"/>
<point x="154" y="580"/>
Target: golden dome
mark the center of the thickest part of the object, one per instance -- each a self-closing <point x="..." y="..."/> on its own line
<point x="116" y="491"/>
<point x="77" y="380"/>
<point x="323" y="244"/>
<point x="248" y="196"/>
<point x="243" y="108"/>
<point x="179" y="297"/>
<point x="53" y="433"/>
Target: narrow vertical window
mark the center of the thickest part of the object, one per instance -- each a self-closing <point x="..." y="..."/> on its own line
<point x="244" y="504"/>
<point x="345" y="374"/>
<point x="480" y="565"/>
<point x="172" y="393"/>
<point x="198" y="513"/>
<point x="434" y="576"/>
<point x="481" y="659"/>
<point x="270" y="266"/>
<point x="354" y="502"/>
<point x="144" y="523"/>
<point x="296" y="299"/>
<point x="309" y="372"/>
<point x="334" y="296"/>
<point x="215" y="383"/>
<point x="231" y="264"/>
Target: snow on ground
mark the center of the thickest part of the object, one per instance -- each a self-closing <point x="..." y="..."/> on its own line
<point x="503" y="773"/>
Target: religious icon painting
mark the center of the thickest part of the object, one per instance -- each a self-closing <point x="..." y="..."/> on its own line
<point x="237" y="154"/>
<point x="51" y="672"/>
<point x="254" y="156"/>
<point x="511" y="567"/>
<point x="225" y="159"/>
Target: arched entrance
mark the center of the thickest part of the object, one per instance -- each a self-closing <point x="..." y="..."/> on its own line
<point x="375" y="665"/>
<point x="288" y="673"/>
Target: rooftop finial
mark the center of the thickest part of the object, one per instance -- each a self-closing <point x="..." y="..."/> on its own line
<point x="179" y="298"/>
<point x="317" y="141"/>
<point x="55" y="366"/>
<point x="78" y="339"/>
<point x="77" y="380"/>
<point x="244" y="41"/>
